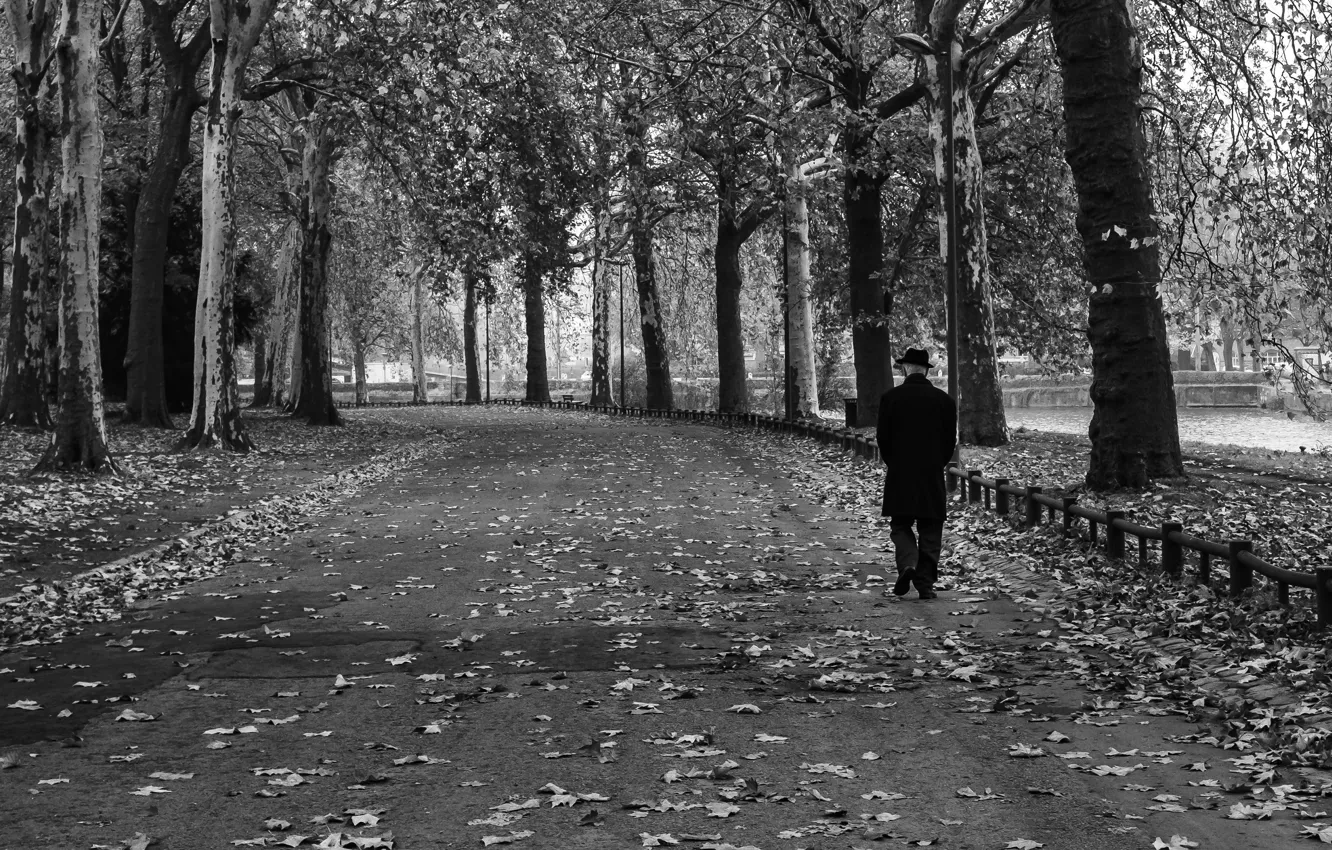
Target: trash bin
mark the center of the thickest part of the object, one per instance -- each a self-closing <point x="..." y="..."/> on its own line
<point x="850" y="412"/>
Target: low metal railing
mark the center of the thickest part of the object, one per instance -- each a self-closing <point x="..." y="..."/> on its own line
<point x="1237" y="555"/>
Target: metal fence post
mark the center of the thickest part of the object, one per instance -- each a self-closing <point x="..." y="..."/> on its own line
<point x="1172" y="554"/>
<point x="1241" y="575"/>
<point x="973" y="486"/>
<point x="1000" y="496"/>
<point x="1114" y="537"/>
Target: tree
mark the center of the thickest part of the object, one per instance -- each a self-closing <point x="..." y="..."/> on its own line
<point x="951" y="74"/>
<point x="234" y="27"/>
<point x="367" y="309"/>
<point x="79" y="439"/>
<point x="23" y="394"/>
<point x="420" y="388"/>
<point x="1134" y="430"/>
<point x="601" y="379"/>
<point x="145" y="395"/>
<point x="850" y="64"/>
<point x="472" y="286"/>
<point x="314" y="401"/>
<point x="707" y="74"/>
<point x="642" y="218"/>
<point x="281" y="336"/>
<point x="799" y="295"/>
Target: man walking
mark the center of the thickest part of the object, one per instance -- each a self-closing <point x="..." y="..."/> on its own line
<point x="917" y="434"/>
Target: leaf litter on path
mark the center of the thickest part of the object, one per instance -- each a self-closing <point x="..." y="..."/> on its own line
<point x="612" y="596"/>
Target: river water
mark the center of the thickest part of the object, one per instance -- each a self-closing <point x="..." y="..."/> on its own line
<point x="1230" y="426"/>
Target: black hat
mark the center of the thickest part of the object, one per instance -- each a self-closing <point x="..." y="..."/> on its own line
<point x="915" y="357"/>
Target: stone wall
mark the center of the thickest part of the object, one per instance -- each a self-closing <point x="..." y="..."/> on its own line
<point x="1192" y="389"/>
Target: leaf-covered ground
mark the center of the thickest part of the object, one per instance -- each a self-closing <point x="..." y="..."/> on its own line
<point x="550" y="629"/>
<point x="53" y="526"/>
<point x="1254" y="672"/>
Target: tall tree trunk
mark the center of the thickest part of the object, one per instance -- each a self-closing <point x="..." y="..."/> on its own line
<point x="601" y="379"/>
<point x="732" y="390"/>
<point x="145" y="394"/>
<point x="656" y="357"/>
<point x="420" y="391"/>
<point x="260" y="362"/>
<point x="215" y="418"/>
<point x="23" y="394"/>
<point x="470" y="358"/>
<point x="315" y="404"/>
<point x="870" y="340"/>
<point x="295" y="345"/>
<point x="277" y="327"/>
<point x="980" y="413"/>
<point x="263" y="370"/>
<point x="1134" y="430"/>
<point x="1228" y="344"/>
<point x="358" y="370"/>
<point x="534" y="314"/>
<point x="284" y="320"/>
<point x="799" y="299"/>
<point x="79" y="439"/>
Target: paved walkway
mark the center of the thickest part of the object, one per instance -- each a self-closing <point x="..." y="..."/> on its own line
<point x="562" y="631"/>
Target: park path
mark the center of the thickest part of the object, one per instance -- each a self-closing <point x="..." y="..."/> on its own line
<point x="562" y="631"/>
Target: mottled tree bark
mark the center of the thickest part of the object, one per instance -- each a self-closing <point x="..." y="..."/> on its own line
<point x="420" y="390"/>
<point x="1228" y="344"/>
<point x="534" y="314"/>
<point x="601" y="379"/>
<point x="215" y="418"/>
<point x="799" y="300"/>
<point x="1134" y="430"/>
<point x="260" y="361"/>
<point x="315" y="404"/>
<point x="145" y="395"/>
<point x="656" y="358"/>
<point x="281" y="320"/>
<point x="79" y="439"/>
<point x="23" y="394"/>
<point x="472" y="367"/>
<point x="980" y="414"/>
<point x="358" y="370"/>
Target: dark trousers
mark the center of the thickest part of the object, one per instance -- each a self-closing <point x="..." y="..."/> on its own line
<point x="918" y="549"/>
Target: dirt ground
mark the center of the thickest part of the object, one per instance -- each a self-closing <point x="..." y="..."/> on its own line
<point x="553" y="629"/>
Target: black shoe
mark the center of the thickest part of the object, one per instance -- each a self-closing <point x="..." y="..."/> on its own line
<point x="926" y="593"/>
<point x="903" y="583"/>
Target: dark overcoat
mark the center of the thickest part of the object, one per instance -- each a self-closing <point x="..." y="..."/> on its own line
<point x="917" y="435"/>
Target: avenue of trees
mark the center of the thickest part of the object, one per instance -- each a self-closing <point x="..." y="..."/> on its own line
<point x="311" y="179"/>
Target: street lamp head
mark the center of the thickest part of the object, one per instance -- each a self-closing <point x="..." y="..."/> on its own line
<point x="917" y="44"/>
